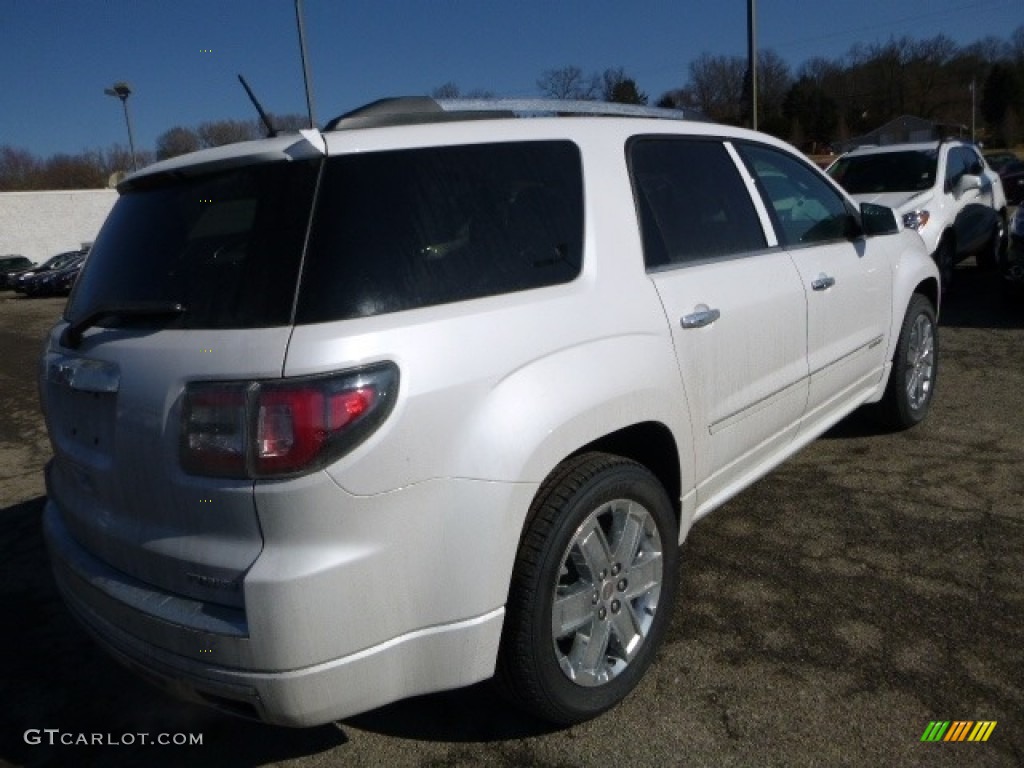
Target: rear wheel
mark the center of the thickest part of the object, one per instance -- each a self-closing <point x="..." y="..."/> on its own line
<point x="592" y="589"/>
<point x="911" y="384"/>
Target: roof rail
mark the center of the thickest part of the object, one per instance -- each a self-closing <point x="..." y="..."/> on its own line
<point x="414" y="110"/>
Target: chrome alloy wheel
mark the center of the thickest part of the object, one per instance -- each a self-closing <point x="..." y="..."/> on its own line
<point x="606" y="593"/>
<point x="920" y="362"/>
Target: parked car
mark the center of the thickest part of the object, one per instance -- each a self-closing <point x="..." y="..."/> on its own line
<point x="1012" y="175"/>
<point x="943" y="190"/>
<point x="1013" y="274"/>
<point x="11" y="266"/>
<point x="23" y="281"/>
<point x="998" y="158"/>
<point x="435" y="394"/>
<point x="55" y="282"/>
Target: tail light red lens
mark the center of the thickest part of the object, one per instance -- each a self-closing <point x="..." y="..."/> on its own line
<point x="281" y="428"/>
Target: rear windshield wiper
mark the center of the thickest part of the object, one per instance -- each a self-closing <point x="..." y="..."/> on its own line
<point x="72" y="335"/>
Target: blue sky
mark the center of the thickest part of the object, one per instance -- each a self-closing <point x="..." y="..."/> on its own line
<point x="181" y="57"/>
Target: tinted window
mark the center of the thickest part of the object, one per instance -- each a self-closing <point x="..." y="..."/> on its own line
<point x="962" y="160"/>
<point x="404" y="229"/>
<point x="803" y="205"/>
<point x="956" y="165"/>
<point x="693" y="204"/>
<point x="975" y="165"/>
<point x="902" y="171"/>
<point x="226" y="246"/>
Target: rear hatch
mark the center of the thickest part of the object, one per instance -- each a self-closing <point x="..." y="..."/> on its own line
<point x="192" y="278"/>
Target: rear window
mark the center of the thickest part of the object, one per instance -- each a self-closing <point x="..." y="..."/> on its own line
<point x="226" y="246"/>
<point x="411" y="228"/>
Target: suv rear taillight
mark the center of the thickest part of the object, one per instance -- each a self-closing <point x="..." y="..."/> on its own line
<point x="280" y="428"/>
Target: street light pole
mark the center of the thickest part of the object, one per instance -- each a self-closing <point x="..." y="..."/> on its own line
<point x="123" y="91"/>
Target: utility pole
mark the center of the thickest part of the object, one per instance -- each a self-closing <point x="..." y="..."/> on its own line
<point x="972" y="109"/>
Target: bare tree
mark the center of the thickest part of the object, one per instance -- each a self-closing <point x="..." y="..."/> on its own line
<point x="118" y="159"/>
<point x="716" y="86"/>
<point x="217" y="133"/>
<point x="569" y="83"/>
<point x="19" y="169"/>
<point x="452" y="90"/>
<point x="819" y="71"/>
<point x="811" y="113"/>
<point x="773" y="83"/>
<point x="82" y="171"/>
<point x="447" y="91"/>
<point x="927" y="75"/>
<point x="176" y="141"/>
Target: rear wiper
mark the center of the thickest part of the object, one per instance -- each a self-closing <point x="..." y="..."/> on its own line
<point x="72" y="335"/>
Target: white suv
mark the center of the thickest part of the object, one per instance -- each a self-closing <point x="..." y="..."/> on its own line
<point x="435" y="394"/>
<point x="944" y="190"/>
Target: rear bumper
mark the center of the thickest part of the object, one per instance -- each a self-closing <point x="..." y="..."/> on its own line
<point x="420" y="662"/>
<point x="319" y="638"/>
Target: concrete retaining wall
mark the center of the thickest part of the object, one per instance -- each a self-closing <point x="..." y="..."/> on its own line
<point x="42" y="224"/>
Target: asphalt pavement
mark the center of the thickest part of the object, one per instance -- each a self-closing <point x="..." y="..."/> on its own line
<point x="869" y="587"/>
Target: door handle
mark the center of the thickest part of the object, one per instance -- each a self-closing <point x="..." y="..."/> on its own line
<point x="823" y="282"/>
<point x="700" y="317"/>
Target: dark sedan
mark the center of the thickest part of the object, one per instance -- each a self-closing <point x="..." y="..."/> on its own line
<point x="61" y="260"/>
<point x="1011" y="170"/>
<point x="1013" y="273"/>
<point x="1012" y="175"/>
<point x="55" y="282"/>
<point x="11" y="266"/>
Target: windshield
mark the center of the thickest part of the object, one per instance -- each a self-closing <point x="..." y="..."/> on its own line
<point x="904" y="171"/>
<point x="225" y="246"/>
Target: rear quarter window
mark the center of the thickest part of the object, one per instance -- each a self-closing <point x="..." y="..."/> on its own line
<point x="403" y="229"/>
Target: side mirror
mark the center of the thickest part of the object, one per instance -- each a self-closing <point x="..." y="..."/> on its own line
<point x="878" y="220"/>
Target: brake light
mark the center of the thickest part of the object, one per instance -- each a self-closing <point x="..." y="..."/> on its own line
<point x="280" y="428"/>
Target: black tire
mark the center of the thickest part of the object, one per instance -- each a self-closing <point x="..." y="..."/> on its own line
<point x="944" y="257"/>
<point x="591" y="511"/>
<point x="991" y="256"/>
<point x="911" y="386"/>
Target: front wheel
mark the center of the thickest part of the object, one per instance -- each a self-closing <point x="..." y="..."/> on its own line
<point x="944" y="258"/>
<point x="991" y="255"/>
<point x="592" y="589"/>
<point x="911" y="386"/>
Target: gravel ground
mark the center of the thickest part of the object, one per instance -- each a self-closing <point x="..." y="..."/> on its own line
<point x="868" y="586"/>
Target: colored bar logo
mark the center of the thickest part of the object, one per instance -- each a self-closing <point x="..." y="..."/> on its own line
<point x="958" y="730"/>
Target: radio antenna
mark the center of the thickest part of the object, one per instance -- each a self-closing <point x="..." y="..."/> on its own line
<point x="305" y="66"/>
<point x="271" y="131"/>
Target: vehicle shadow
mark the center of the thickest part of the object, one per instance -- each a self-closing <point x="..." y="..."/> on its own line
<point x="475" y="714"/>
<point x="976" y="300"/>
<point x="53" y="676"/>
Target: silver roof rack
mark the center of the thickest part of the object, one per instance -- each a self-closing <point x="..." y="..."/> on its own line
<point x="413" y="110"/>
